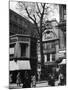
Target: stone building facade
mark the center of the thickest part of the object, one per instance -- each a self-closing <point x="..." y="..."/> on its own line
<point x="22" y="46"/>
<point x="54" y="42"/>
<point x="56" y="33"/>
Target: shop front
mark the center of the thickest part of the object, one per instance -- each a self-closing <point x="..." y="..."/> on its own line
<point x="21" y="59"/>
<point x="18" y="67"/>
<point x="61" y="62"/>
<point x="50" y="50"/>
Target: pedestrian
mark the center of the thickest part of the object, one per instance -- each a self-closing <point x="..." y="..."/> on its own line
<point x="26" y="80"/>
<point x="57" y="80"/>
<point x="61" y="78"/>
<point x="51" y="80"/>
<point x="10" y="78"/>
<point x="18" y="81"/>
<point x="33" y="81"/>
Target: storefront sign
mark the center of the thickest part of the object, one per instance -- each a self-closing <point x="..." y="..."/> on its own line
<point x="49" y="35"/>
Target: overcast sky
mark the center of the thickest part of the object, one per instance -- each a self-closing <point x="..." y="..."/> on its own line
<point x="51" y="15"/>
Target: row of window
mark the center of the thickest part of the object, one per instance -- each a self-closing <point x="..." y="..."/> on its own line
<point x="47" y="46"/>
<point x="48" y="57"/>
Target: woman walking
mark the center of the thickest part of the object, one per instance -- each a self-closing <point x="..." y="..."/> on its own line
<point x="18" y="81"/>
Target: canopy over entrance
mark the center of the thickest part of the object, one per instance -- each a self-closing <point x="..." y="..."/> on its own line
<point x="63" y="62"/>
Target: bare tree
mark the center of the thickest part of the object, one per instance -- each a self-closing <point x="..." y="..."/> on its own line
<point x="37" y="13"/>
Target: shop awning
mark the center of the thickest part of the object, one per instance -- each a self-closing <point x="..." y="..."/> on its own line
<point x="24" y="65"/>
<point x="13" y="66"/>
<point x="19" y="65"/>
<point x="63" y="62"/>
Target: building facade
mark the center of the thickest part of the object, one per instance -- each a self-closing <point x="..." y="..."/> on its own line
<point x="54" y="43"/>
<point x="50" y="47"/>
<point x="62" y="41"/>
<point x="22" y="46"/>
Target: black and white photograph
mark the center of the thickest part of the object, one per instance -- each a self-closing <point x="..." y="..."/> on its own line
<point x="37" y="44"/>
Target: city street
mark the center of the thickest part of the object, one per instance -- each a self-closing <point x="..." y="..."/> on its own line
<point x="38" y="84"/>
<point x="37" y="45"/>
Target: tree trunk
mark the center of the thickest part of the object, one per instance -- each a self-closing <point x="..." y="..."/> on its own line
<point x="41" y="52"/>
<point x="42" y="58"/>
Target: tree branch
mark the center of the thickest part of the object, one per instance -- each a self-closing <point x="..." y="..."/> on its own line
<point x="41" y="19"/>
<point x="42" y="5"/>
<point x="43" y="10"/>
<point x="33" y="20"/>
<point x="29" y="15"/>
<point x="38" y="8"/>
<point x="38" y="14"/>
<point x="34" y="17"/>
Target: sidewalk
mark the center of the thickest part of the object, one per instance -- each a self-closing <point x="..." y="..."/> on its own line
<point x="38" y="84"/>
<point x="14" y="86"/>
<point x="42" y="84"/>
